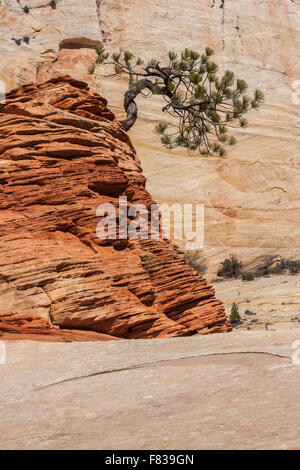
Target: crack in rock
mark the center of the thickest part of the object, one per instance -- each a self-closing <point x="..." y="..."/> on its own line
<point x="279" y="187"/>
<point x="141" y="366"/>
<point x="222" y="6"/>
<point x="52" y="4"/>
<point x="239" y="33"/>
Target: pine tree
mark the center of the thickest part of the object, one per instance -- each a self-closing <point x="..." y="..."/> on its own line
<point x="235" y="317"/>
<point x="205" y="105"/>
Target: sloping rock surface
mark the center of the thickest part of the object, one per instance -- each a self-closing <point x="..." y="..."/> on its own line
<point x="62" y="154"/>
<point x="234" y="391"/>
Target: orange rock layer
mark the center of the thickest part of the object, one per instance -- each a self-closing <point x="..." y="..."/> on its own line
<point x="62" y="154"/>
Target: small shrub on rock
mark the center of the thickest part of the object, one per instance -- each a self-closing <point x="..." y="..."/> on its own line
<point x="196" y="259"/>
<point x="230" y="268"/>
<point x="247" y="276"/>
<point x="149" y="263"/>
<point x="235" y="317"/>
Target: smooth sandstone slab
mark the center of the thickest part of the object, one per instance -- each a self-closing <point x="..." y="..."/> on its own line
<point x="239" y="391"/>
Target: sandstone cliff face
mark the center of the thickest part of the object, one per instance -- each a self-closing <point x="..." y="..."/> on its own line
<point x="252" y="197"/>
<point x="36" y="43"/>
<point x="63" y="154"/>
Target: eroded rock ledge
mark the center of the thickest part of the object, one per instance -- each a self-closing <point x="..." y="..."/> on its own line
<point x="62" y="153"/>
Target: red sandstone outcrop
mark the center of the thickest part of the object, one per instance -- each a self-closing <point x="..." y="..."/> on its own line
<point x="62" y="153"/>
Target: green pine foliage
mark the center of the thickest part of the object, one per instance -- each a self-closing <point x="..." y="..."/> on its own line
<point x="230" y="268"/>
<point x="235" y="317"/>
<point x="207" y="105"/>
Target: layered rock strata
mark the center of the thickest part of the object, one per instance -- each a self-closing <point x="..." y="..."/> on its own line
<point x="62" y="154"/>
